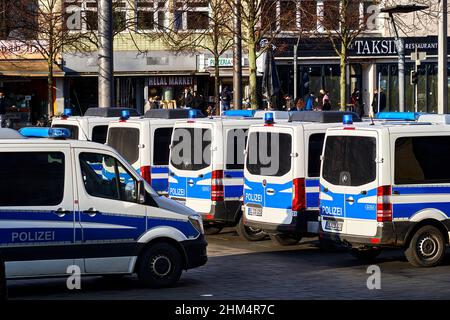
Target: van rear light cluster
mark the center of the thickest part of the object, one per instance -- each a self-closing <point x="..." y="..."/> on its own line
<point x="217" y="191"/>
<point x="384" y="205"/>
<point x="146" y="174"/>
<point x="298" y="194"/>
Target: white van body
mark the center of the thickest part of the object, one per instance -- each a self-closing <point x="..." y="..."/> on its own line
<point x="285" y="201"/>
<point x="75" y="203"/>
<point x="85" y="128"/>
<point x="214" y="186"/>
<point x="383" y="184"/>
<point x="145" y="143"/>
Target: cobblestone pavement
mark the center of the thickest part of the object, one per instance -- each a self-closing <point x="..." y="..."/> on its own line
<point x="261" y="270"/>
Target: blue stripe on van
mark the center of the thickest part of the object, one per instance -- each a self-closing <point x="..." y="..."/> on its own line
<point x="312" y="182"/>
<point x="160" y="169"/>
<point x="422" y="190"/>
<point x="407" y="210"/>
<point x="234" y="174"/>
<point x="234" y="191"/>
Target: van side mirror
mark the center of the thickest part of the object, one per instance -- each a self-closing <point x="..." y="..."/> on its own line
<point x="141" y="192"/>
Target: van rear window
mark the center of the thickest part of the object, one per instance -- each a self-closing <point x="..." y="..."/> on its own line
<point x="161" y="144"/>
<point x="73" y="130"/>
<point x="191" y="149"/>
<point x="126" y="142"/>
<point x="99" y="134"/>
<point x="269" y="154"/>
<point x="421" y="160"/>
<point x="314" y="152"/>
<point x="349" y="160"/>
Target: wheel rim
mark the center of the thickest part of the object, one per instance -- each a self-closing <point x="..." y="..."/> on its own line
<point x="161" y="266"/>
<point x="427" y="247"/>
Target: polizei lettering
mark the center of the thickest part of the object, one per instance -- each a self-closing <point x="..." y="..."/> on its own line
<point x="32" y="236"/>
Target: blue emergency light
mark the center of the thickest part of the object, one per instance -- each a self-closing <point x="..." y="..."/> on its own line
<point x="192" y="114"/>
<point x="268" y="118"/>
<point x="347" y="119"/>
<point x="407" y="116"/>
<point x="239" y="113"/>
<point x="124" y="115"/>
<point x="68" y="112"/>
<point x="39" y="132"/>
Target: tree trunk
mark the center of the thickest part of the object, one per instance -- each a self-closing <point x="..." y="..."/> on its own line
<point x="343" y="77"/>
<point x="50" y="85"/>
<point x="217" y="84"/>
<point x="252" y="71"/>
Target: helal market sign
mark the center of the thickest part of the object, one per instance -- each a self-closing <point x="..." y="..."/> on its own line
<point x="171" y="81"/>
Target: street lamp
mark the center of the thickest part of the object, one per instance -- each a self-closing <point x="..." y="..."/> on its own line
<point x="399" y="42"/>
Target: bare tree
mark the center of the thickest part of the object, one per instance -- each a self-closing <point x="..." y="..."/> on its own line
<point x="203" y="31"/>
<point x="49" y="28"/>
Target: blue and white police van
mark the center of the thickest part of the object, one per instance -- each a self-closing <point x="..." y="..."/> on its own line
<point x="388" y="185"/>
<point x="206" y="170"/>
<point x="281" y="174"/>
<point x="59" y="210"/>
<point x="145" y="143"/>
<point x="93" y="126"/>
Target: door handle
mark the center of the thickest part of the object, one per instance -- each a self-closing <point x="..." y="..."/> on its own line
<point x="92" y="212"/>
<point x="351" y="200"/>
<point x="60" y="212"/>
<point x="190" y="183"/>
<point x="270" y="192"/>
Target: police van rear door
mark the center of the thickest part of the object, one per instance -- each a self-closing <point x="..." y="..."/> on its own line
<point x="268" y="175"/>
<point x="349" y="182"/>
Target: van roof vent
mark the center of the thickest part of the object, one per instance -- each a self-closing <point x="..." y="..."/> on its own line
<point x="322" y="116"/>
<point x="6" y="133"/>
<point x="435" y="118"/>
<point x="110" y="112"/>
<point x="172" y="114"/>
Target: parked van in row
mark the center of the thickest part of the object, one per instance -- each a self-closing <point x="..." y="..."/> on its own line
<point x="388" y="185"/>
<point x="93" y="126"/>
<point x="59" y="211"/>
<point x="145" y="143"/>
<point x="281" y="174"/>
<point x="206" y="170"/>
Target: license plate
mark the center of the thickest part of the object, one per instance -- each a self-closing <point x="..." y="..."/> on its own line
<point x="334" y="225"/>
<point x="254" y="211"/>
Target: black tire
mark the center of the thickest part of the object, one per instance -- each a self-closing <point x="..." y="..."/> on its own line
<point x="366" y="254"/>
<point x="3" y="286"/>
<point x="248" y="233"/>
<point x="160" y="266"/>
<point x="212" y="229"/>
<point x="426" y="248"/>
<point x="284" y="239"/>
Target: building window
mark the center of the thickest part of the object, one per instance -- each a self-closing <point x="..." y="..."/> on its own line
<point x="308" y="15"/>
<point x="288" y="15"/>
<point x="151" y="15"/>
<point x="18" y="20"/>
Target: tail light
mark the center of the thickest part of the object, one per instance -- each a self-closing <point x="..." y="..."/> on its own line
<point x="146" y="174"/>
<point x="298" y="194"/>
<point x="217" y="193"/>
<point x="384" y="205"/>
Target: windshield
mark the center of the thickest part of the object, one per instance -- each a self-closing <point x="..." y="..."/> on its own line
<point x="126" y="142"/>
<point x="269" y="153"/>
<point x="349" y="160"/>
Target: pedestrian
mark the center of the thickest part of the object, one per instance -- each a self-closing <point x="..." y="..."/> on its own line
<point x="288" y="103"/>
<point x="309" y="105"/>
<point x="376" y="104"/>
<point x="356" y="102"/>
<point x="225" y="99"/>
<point x="186" y="99"/>
<point x="198" y="102"/>
<point x="2" y="109"/>
<point x="149" y="104"/>
<point x="326" y="103"/>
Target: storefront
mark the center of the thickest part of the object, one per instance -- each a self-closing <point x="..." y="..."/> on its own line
<point x="372" y="61"/>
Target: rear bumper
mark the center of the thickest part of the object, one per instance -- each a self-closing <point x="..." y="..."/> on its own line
<point x="306" y="223"/>
<point x="385" y="236"/>
<point x="195" y="252"/>
<point x="224" y="212"/>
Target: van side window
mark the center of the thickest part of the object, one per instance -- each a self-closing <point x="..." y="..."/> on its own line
<point x="126" y="142"/>
<point x="236" y="141"/>
<point x="31" y="178"/>
<point x="314" y="152"/>
<point x="105" y="177"/>
<point x="99" y="134"/>
<point x="161" y="146"/>
<point x="191" y="149"/>
<point x="421" y="160"/>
